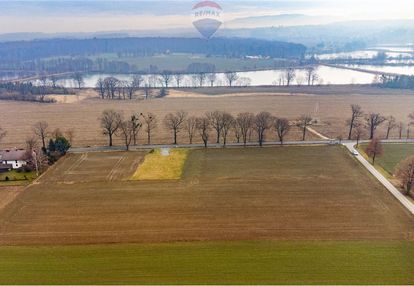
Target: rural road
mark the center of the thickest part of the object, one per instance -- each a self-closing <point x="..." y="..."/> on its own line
<point x="390" y="187"/>
<point x="250" y="144"/>
<point x="156" y="146"/>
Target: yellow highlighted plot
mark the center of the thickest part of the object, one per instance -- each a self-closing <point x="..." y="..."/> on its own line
<point x="161" y="165"/>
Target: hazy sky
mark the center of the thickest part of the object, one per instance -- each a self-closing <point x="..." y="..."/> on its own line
<point x="103" y="15"/>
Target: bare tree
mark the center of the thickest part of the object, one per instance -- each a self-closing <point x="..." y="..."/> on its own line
<point x="78" y="78"/>
<point x="227" y="122"/>
<point x="311" y="75"/>
<point x="43" y="88"/>
<point x="357" y="113"/>
<point x="178" y="79"/>
<point x="359" y="131"/>
<point x="245" y="122"/>
<point x="190" y="127"/>
<point x="40" y="129"/>
<point x="374" y="120"/>
<point x="110" y="122"/>
<point x="262" y="122"/>
<point x="231" y="77"/>
<point x="70" y="135"/>
<point x="166" y="76"/>
<point x="374" y="149"/>
<point x="31" y="155"/>
<point x="282" y="128"/>
<point x="56" y="133"/>
<point x="303" y="122"/>
<point x="126" y="131"/>
<point x="136" y="127"/>
<point x="237" y="131"/>
<point x="122" y="88"/>
<point x="405" y="173"/>
<point x="100" y="87"/>
<point x="391" y="125"/>
<point x="150" y="123"/>
<point x="203" y="127"/>
<point x="174" y="122"/>
<point x="201" y="77"/>
<point x="290" y="75"/>
<point x="111" y="84"/>
<point x="137" y="80"/>
<point x="400" y="130"/>
<point x="132" y="86"/>
<point x="216" y="122"/>
<point x="212" y="78"/>
<point x="147" y="91"/>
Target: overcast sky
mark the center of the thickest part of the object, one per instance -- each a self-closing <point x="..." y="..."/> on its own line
<point x="103" y="15"/>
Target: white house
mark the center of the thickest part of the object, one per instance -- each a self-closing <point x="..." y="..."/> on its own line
<point x="16" y="158"/>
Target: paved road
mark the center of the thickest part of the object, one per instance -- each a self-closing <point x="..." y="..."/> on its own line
<point x="195" y="146"/>
<point x="390" y="187"/>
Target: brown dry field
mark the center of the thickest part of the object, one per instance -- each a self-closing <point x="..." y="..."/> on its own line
<point x="334" y="103"/>
<point x="278" y="193"/>
<point x="8" y="194"/>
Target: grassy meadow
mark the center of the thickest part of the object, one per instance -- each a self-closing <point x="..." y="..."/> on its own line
<point x="157" y="166"/>
<point x="392" y="155"/>
<point x="243" y="262"/>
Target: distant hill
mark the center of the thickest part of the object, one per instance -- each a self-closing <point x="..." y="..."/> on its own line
<point x="284" y="20"/>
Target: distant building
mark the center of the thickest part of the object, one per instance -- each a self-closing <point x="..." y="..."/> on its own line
<point x="16" y="158"/>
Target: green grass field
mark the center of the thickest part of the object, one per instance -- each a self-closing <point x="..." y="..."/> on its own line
<point x="159" y="167"/>
<point x="393" y="154"/>
<point x="180" y="62"/>
<point x="16" y="178"/>
<point x="254" y="262"/>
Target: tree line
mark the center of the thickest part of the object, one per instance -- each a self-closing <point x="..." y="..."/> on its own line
<point x="27" y="91"/>
<point x="19" y="51"/>
<point x="398" y="81"/>
<point x="361" y="123"/>
<point x="245" y="126"/>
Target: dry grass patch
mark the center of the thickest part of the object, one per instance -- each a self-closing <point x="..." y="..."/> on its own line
<point x="157" y="166"/>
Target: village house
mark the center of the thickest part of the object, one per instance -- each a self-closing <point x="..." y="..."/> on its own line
<point x="14" y="158"/>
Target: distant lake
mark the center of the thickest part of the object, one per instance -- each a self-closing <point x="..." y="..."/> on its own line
<point x="405" y="70"/>
<point x="327" y="76"/>
<point x="366" y="54"/>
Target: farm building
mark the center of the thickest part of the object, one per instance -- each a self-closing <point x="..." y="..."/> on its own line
<point x="16" y="158"/>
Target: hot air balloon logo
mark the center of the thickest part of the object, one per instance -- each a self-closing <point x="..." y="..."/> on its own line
<point x="207" y="18"/>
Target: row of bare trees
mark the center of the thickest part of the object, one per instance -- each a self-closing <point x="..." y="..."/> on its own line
<point x="113" y="88"/>
<point x="289" y="76"/>
<point x="359" y="122"/>
<point x="220" y="123"/>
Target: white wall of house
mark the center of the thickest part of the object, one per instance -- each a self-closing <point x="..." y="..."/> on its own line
<point x="16" y="164"/>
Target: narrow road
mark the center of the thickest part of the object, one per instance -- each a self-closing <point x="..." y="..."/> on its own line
<point x="390" y="187"/>
<point x="194" y="146"/>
